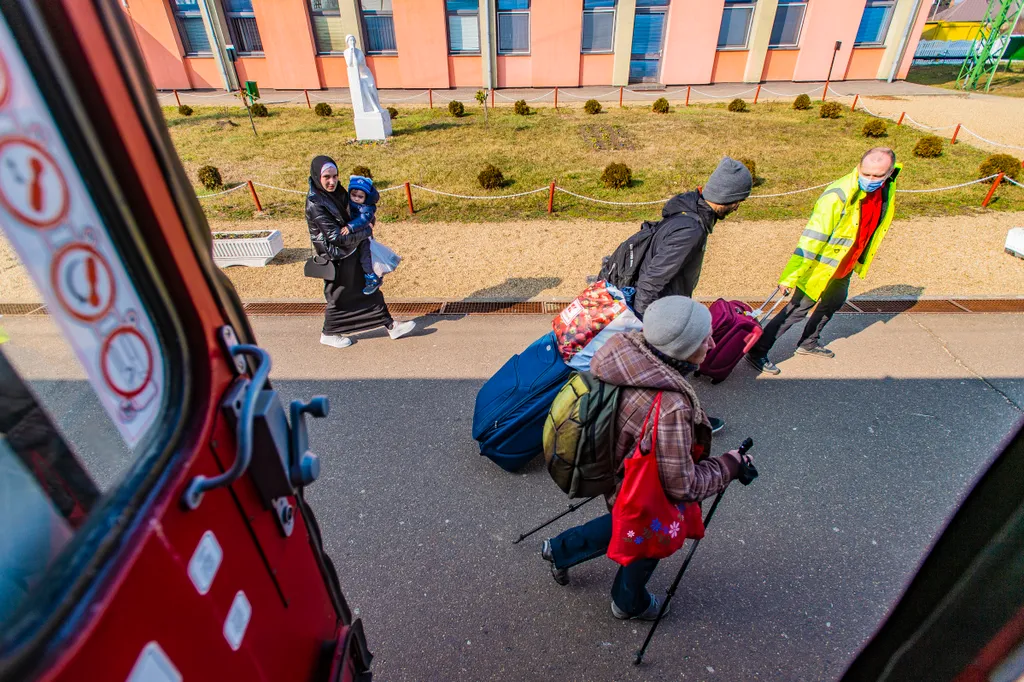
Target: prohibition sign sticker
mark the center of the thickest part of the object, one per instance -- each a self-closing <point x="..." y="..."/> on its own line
<point x="83" y="282"/>
<point x="32" y="187"/>
<point x="5" y="82"/>
<point x="126" y="361"/>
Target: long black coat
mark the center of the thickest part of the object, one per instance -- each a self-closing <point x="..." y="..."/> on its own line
<point x="325" y="218"/>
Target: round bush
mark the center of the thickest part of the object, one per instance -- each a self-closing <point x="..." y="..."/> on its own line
<point x="481" y="96"/>
<point x="738" y="105"/>
<point x="210" y="178"/>
<point x="830" y="110"/>
<point x="363" y="171"/>
<point x="875" y="127"/>
<point x="323" y="109"/>
<point x="802" y="102"/>
<point x="660" y="106"/>
<point x="491" y="177"/>
<point x="617" y="176"/>
<point x="928" y="147"/>
<point x="260" y="110"/>
<point x="751" y="166"/>
<point x="1000" y="163"/>
<point x="592" y="106"/>
<point x="393" y="112"/>
<point x="522" y="108"/>
<point x="185" y="110"/>
<point x="456" y="108"/>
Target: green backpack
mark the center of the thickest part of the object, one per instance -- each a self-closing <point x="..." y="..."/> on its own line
<point x="579" y="436"/>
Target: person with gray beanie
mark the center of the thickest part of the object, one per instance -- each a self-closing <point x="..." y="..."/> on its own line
<point x="675" y="339"/>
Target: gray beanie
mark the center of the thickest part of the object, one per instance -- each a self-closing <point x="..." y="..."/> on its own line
<point x="676" y="326"/>
<point x="730" y="182"/>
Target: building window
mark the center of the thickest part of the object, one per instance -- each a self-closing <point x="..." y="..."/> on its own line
<point x="874" y="23"/>
<point x="379" y="26"/>
<point x="191" y="28"/>
<point x="513" y="26"/>
<point x="328" y="30"/>
<point x="245" y="34"/>
<point x="789" y="18"/>
<point x="463" y="26"/>
<point x="598" y="25"/>
<point x="736" y="20"/>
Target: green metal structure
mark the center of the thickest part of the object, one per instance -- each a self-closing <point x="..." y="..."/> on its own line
<point x="988" y="47"/>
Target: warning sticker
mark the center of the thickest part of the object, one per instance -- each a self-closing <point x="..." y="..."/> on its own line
<point x="51" y="221"/>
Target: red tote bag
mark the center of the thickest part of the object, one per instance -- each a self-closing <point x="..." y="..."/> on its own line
<point x="645" y="524"/>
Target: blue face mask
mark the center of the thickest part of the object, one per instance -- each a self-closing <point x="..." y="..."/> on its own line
<point x="870" y="186"/>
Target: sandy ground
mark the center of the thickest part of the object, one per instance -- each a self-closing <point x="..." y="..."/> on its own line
<point x="1000" y="119"/>
<point x="949" y="256"/>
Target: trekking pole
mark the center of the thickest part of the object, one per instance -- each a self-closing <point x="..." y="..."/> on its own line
<point x="747" y="444"/>
<point x="572" y="508"/>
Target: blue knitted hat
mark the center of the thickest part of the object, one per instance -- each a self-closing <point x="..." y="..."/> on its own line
<point x="359" y="182"/>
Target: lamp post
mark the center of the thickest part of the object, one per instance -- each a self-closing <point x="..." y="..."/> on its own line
<point x="233" y="57"/>
<point x="828" y="78"/>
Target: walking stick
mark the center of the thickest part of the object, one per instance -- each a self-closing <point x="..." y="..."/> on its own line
<point x="572" y="508"/>
<point x="745" y="478"/>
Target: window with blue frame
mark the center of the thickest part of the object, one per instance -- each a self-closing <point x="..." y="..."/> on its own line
<point x="648" y="34"/>
<point x="598" y="25"/>
<point x="874" y="23"/>
<point x="245" y="34"/>
<point x="463" y="26"/>
<point x="789" y="18"/>
<point x="191" y="28"/>
<point x="378" y="26"/>
<point x="735" y="29"/>
<point x="513" y="26"/>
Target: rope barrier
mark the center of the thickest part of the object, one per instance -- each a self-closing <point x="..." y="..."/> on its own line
<point x="1013" y="182"/>
<point x="943" y="189"/>
<point x="738" y="94"/>
<point x="406" y="99"/>
<point x="588" y="97"/>
<point x="922" y="125"/>
<point x="279" y="189"/>
<point x="389" y="189"/>
<point x="463" y="196"/>
<point x="535" y="99"/>
<point x="227" y="191"/>
<point x="787" y="94"/>
<point x="610" y="203"/>
<point x="998" y="144"/>
<point x="786" y="194"/>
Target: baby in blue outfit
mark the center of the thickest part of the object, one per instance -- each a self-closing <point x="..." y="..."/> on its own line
<point x="362" y="209"/>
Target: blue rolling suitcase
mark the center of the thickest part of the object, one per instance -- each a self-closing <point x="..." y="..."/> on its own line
<point x="508" y="419"/>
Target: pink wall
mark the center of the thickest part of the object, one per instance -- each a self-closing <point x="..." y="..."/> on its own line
<point x="514" y="72"/>
<point x="203" y="72"/>
<point x="387" y="71"/>
<point x="689" y="54"/>
<point x="729" y="66"/>
<point x="596" y="69"/>
<point x="915" y="38"/>
<point x="158" y="40"/>
<point x="465" y="72"/>
<point x="253" y="69"/>
<point x="826" y="22"/>
<point x="422" y="39"/>
<point x="779" y="65"/>
<point x="556" y="28"/>
<point x="332" y="72"/>
<point x="287" y="43"/>
<point x="864" y="63"/>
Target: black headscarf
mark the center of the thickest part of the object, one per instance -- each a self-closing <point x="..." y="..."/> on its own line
<point x="339" y="197"/>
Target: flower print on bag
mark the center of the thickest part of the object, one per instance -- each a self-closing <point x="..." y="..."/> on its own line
<point x="656" y="525"/>
<point x="673" y="530"/>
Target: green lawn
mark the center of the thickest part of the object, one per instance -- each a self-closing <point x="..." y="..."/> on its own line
<point x="1006" y="83"/>
<point x="667" y="154"/>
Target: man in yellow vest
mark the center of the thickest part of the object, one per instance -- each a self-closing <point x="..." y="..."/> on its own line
<point x="849" y="222"/>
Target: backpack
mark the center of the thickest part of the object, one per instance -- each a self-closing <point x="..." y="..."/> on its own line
<point x="622" y="268"/>
<point x="579" y="436"/>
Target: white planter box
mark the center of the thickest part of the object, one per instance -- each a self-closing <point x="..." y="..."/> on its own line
<point x="252" y="251"/>
<point x="1015" y="242"/>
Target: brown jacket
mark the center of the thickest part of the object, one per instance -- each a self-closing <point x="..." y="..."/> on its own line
<point x="626" y="361"/>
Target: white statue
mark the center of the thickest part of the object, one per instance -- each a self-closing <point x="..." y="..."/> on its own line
<point x="371" y="122"/>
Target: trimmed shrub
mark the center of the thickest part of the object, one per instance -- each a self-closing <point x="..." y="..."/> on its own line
<point x="491" y="177"/>
<point x="802" y="102"/>
<point x="751" y="166"/>
<point x="521" y="107"/>
<point x="928" y="147"/>
<point x="260" y="110"/>
<point x="185" y="110"/>
<point x="393" y="112"/>
<point x="1000" y="163"/>
<point x="592" y="106"/>
<point x="456" y="108"/>
<point x="738" y="105"/>
<point x="323" y="109"/>
<point x="660" y="106"/>
<point x="481" y="97"/>
<point x="617" y="176"/>
<point x="874" y="128"/>
<point x="363" y="171"/>
<point x="830" y="110"/>
<point x="210" y="178"/>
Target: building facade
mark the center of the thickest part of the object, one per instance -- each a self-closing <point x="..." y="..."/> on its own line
<point x="419" y="44"/>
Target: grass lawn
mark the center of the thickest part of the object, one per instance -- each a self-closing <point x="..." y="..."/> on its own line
<point x="667" y="154"/>
<point x="1005" y="83"/>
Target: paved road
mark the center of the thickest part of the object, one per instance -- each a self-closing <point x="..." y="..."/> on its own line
<point x="862" y="460"/>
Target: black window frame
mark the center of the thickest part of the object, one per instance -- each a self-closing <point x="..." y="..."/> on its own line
<point x="363" y="14"/>
<point x="180" y="15"/>
<point x="734" y="5"/>
<point x="237" y="36"/>
<point x="795" y="45"/>
<point x="499" y="13"/>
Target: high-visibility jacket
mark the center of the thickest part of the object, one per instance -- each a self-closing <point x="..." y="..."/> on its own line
<point x="831" y="233"/>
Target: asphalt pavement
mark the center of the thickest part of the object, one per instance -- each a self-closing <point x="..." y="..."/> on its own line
<point x="862" y="460"/>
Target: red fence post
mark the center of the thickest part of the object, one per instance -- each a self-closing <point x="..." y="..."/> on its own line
<point x="900" y="122"/>
<point x="855" y="98"/>
<point x="824" y="93"/>
<point x="955" y="133"/>
<point x="758" y="93"/>
<point x="176" y="98"/>
<point x="308" y="105"/>
<point x="255" y="197"/>
<point x="992" y="190"/>
<point x="408" y="198"/>
<point x="430" y="94"/>
<point x="556" y="103"/>
<point x="492" y="98"/>
<point x="620" y="96"/>
<point x="687" y="95"/>
<point x="551" y="197"/>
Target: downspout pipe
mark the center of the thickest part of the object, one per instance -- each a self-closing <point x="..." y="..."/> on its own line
<point x="904" y="40"/>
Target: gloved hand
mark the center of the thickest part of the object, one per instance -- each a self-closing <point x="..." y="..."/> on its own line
<point x="747" y="472"/>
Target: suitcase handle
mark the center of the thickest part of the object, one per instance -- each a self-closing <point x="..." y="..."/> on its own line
<point x="760" y="313"/>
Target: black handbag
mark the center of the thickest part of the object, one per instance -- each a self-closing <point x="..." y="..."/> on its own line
<point x="318" y="266"/>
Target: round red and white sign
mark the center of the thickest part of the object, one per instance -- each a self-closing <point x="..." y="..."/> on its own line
<point x="32" y="186"/>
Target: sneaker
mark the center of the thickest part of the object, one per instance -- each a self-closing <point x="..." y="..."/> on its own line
<point x="650" y="614"/>
<point x="335" y="341"/>
<point x="716" y="424"/>
<point x="400" y="329"/>
<point x="817" y="351"/>
<point x="561" y="575"/>
<point x="763" y="365"/>
<point x="372" y="284"/>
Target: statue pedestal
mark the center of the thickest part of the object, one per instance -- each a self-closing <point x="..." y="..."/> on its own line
<point x="373" y="125"/>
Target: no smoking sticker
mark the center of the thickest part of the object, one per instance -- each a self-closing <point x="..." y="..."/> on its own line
<point x="126" y="361"/>
<point x="32" y="187"/>
<point x="83" y="282"/>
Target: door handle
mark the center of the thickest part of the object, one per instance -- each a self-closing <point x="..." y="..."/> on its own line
<point x="243" y="430"/>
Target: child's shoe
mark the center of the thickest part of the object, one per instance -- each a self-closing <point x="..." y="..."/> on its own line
<point x="372" y="284"/>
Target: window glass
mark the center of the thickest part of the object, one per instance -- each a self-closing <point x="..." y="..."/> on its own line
<point x="647" y="32"/>
<point x="735" y="24"/>
<point x="652" y="3"/>
<point x="191" y="29"/>
<point x="598" y="25"/>
<point x="328" y="31"/>
<point x="513" y="4"/>
<point x="874" y="23"/>
<point x="245" y="34"/>
<point x="513" y="26"/>
<point x="380" y="26"/>
<point x="598" y="4"/>
<point x="463" y="26"/>
<point x="789" y="17"/>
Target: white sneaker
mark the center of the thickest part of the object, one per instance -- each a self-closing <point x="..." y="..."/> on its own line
<point x="400" y="329"/>
<point x="335" y="341"/>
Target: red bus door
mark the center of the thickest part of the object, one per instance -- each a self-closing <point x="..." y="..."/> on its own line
<point x="201" y="561"/>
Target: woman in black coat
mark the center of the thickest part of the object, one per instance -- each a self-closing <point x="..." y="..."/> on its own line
<point x="349" y="310"/>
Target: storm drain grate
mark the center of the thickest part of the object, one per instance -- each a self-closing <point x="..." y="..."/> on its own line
<point x="284" y="308"/>
<point x="908" y="306"/>
<point x="986" y="305"/>
<point x="493" y="308"/>
<point x="21" y="309"/>
<point x="433" y="308"/>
